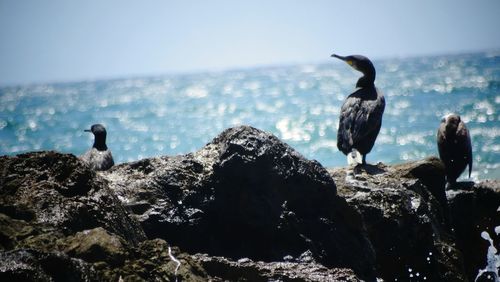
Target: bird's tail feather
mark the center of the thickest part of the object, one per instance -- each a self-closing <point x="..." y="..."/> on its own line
<point x="354" y="158"/>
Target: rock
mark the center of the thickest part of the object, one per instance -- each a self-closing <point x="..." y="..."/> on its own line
<point x="32" y="265"/>
<point x="150" y="261"/>
<point x="58" y="190"/>
<point x="475" y="208"/>
<point x="429" y="171"/>
<point x="248" y="270"/>
<point x="245" y="194"/>
<point x="13" y="231"/>
<point x="257" y="209"/>
<point x="96" y="245"/>
<point x="402" y="208"/>
<point x="20" y="234"/>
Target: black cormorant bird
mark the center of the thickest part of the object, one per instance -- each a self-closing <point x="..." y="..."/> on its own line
<point x="361" y="113"/>
<point x="99" y="156"/>
<point x="454" y="146"/>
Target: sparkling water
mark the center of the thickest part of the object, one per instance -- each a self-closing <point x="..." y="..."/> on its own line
<point x="177" y="114"/>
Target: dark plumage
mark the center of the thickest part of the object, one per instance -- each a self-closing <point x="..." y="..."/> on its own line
<point x="454" y="145"/>
<point x="361" y="113"/>
<point x="99" y="156"/>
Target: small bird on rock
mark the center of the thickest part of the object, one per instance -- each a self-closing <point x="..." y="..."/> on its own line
<point x="99" y="156"/>
<point x="454" y="146"/>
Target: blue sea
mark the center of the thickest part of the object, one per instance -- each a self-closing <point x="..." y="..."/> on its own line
<point x="177" y="114"/>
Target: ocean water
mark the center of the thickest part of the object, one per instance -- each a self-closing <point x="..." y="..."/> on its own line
<point x="177" y="114"/>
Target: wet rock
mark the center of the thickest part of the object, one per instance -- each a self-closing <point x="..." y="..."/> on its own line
<point x="20" y="234"/>
<point x="430" y="172"/>
<point x="33" y="265"/>
<point x="245" y="194"/>
<point x="13" y="231"/>
<point x="151" y="261"/>
<point x="256" y="208"/>
<point x="220" y="268"/>
<point x="58" y="190"/>
<point x="96" y="245"/>
<point x="407" y="223"/>
<point x="475" y="208"/>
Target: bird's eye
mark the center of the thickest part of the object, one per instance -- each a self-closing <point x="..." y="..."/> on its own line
<point x="443" y="119"/>
<point x="349" y="62"/>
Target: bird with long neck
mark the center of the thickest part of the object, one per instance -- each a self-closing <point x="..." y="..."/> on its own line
<point x="362" y="64"/>
<point x="361" y="113"/>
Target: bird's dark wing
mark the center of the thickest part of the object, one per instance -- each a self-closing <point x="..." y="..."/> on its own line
<point x="463" y="138"/>
<point x="98" y="160"/>
<point x="443" y="153"/>
<point x="470" y="156"/>
<point x="348" y="116"/>
<point x="361" y="116"/>
<point x="368" y="119"/>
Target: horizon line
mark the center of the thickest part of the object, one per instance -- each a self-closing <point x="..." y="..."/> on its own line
<point x="220" y="70"/>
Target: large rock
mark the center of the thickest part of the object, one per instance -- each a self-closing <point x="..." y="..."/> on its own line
<point x="59" y="221"/>
<point x="245" y="194"/>
<point x="256" y="208"/>
<point x="406" y="218"/>
<point x="58" y="190"/>
<point x="475" y="208"/>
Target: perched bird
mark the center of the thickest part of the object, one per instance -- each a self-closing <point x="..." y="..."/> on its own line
<point x="454" y="146"/>
<point x="361" y="113"/>
<point x="99" y="156"/>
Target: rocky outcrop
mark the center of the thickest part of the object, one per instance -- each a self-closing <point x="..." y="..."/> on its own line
<point x="418" y="229"/>
<point x="57" y="190"/>
<point x="475" y="208"/>
<point x="245" y="194"/>
<point x="406" y="223"/>
<point x="244" y="207"/>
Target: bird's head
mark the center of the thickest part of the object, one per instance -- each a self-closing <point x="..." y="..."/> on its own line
<point x="99" y="136"/>
<point x="97" y="130"/>
<point x="362" y="64"/>
<point x="451" y="123"/>
<point x="358" y="62"/>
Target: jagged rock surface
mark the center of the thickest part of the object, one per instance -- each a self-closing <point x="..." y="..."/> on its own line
<point x="60" y="221"/>
<point x="247" y="270"/>
<point x="258" y="209"/>
<point x="402" y="217"/>
<point x="475" y="208"/>
<point x="245" y="194"/>
<point x="414" y="231"/>
<point x="58" y="190"/>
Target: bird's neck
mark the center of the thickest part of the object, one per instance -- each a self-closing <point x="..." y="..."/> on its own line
<point x="367" y="80"/>
<point x="100" y="144"/>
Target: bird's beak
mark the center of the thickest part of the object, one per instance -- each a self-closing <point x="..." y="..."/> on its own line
<point x="338" y="57"/>
<point x="342" y="58"/>
<point x="88" y="130"/>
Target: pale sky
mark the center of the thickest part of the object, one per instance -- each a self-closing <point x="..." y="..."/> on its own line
<point x="61" y="40"/>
